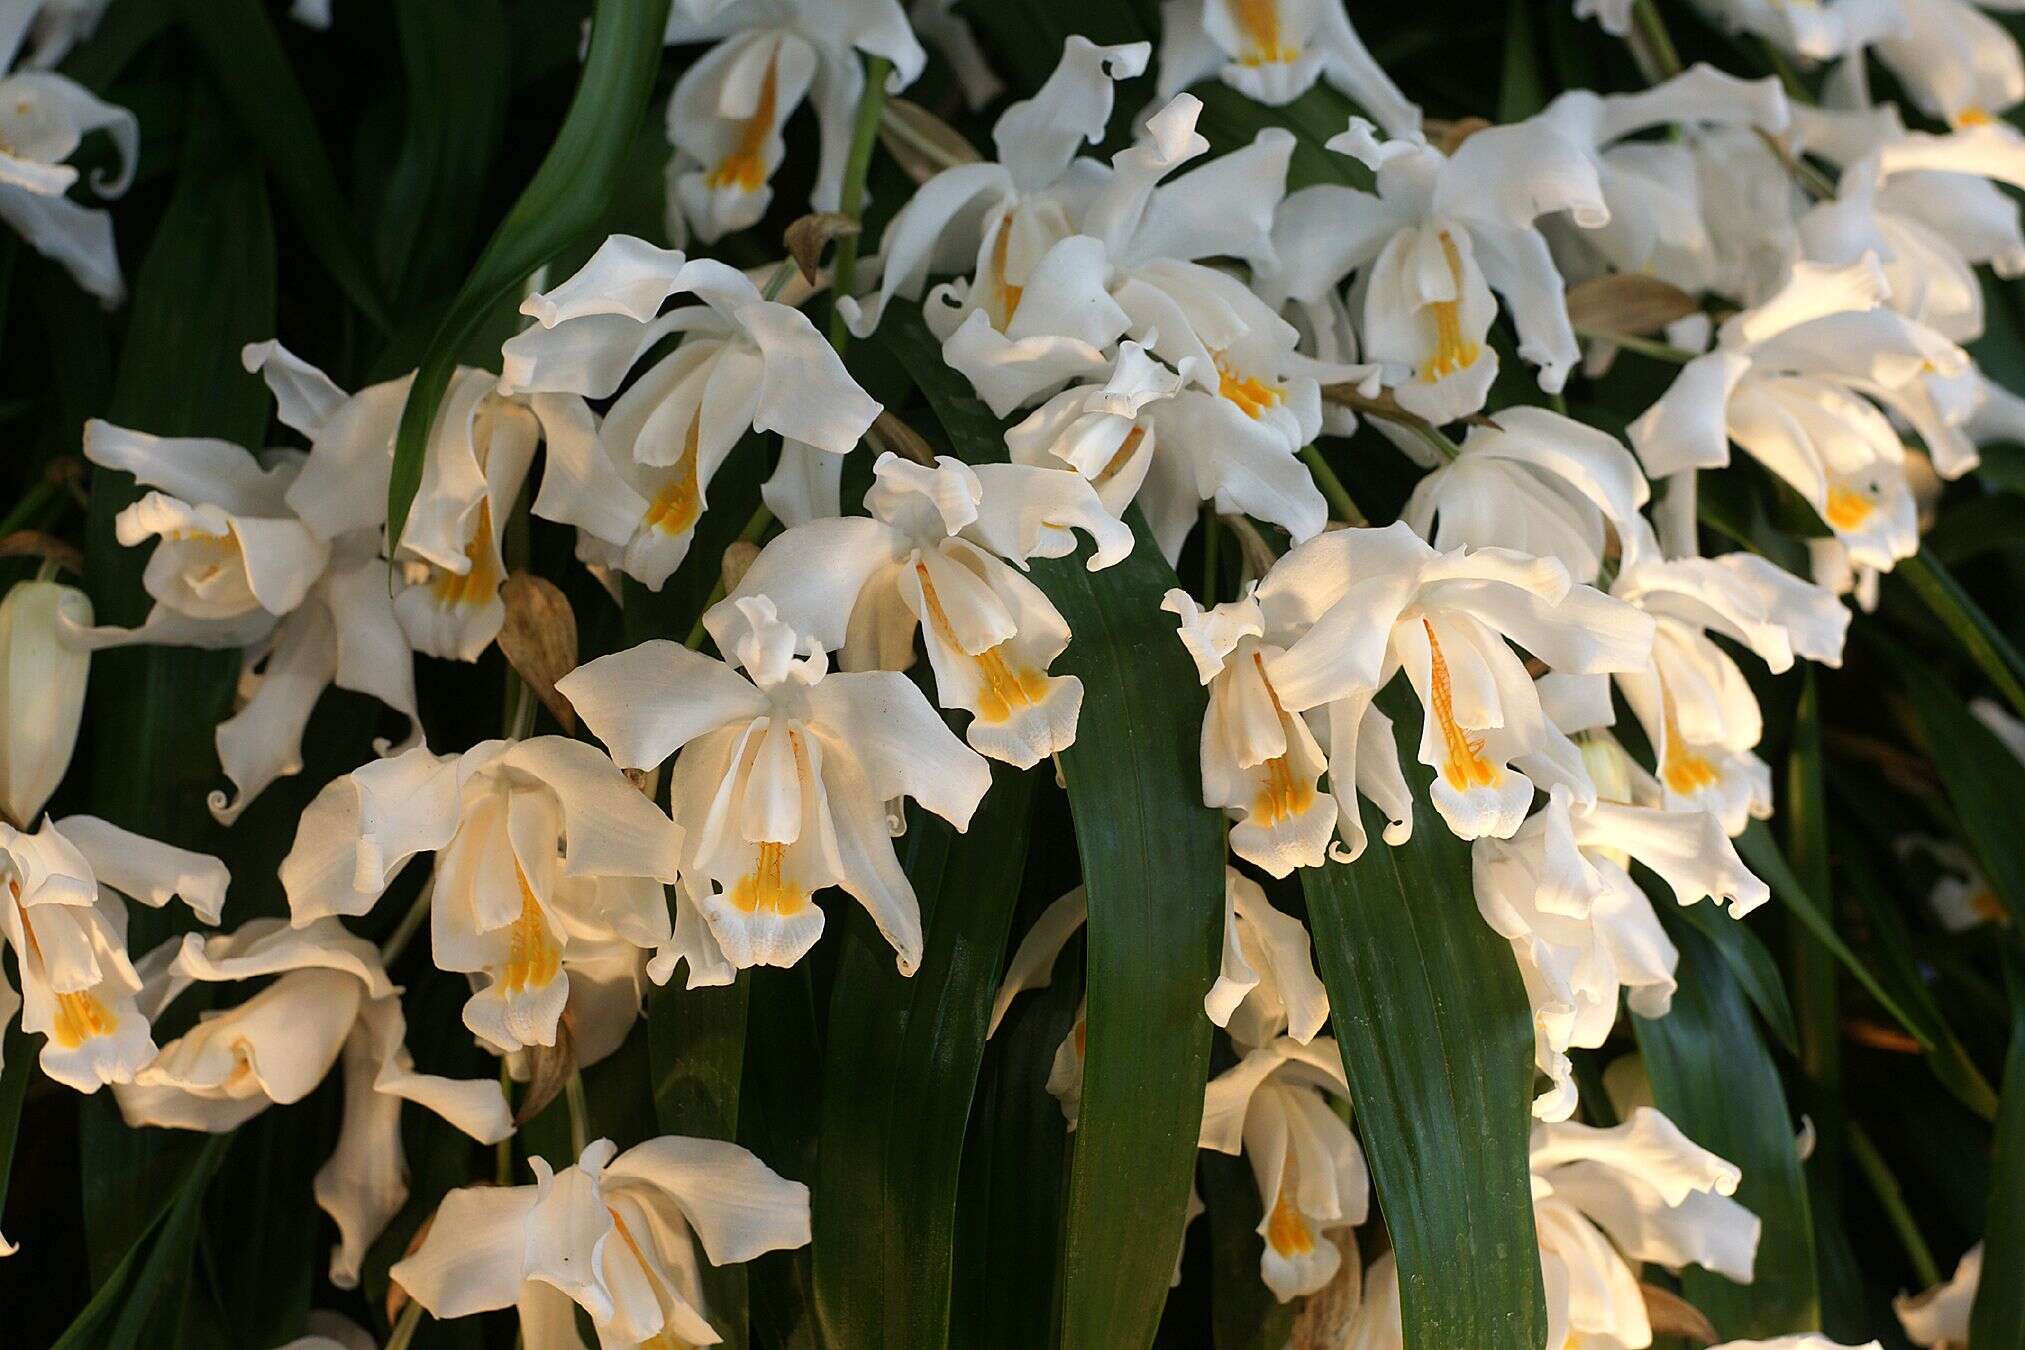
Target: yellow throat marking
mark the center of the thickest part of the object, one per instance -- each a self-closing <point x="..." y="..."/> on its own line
<point x="1282" y="796"/>
<point x="1004" y="294"/>
<point x="1683" y="770"/>
<point x="533" y="959"/>
<point x="1259" y="21"/>
<point x="1847" y="508"/>
<point x="80" y="1015"/>
<point x="1251" y="394"/>
<point x="676" y="506"/>
<point x="1007" y="688"/>
<point x="743" y="168"/>
<point x="480" y="581"/>
<point x="1452" y="351"/>
<point x="1466" y="766"/>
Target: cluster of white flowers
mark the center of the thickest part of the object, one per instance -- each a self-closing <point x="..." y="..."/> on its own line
<point x="1162" y="330"/>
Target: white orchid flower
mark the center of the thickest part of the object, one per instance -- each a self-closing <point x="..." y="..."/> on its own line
<point x="1266" y="986"/>
<point x="42" y="680"/>
<point x="1604" y="1200"/>
<point x="1954" y="62"/>
<point x="1805" y="1340"/>
<point x="1004" y="215"/>
<point x="1438" y="236"/>
<point x="614" y="1233"/>
<point x="1817" y="31"/>
<point x="1960" y="897"/>
<point x="43" y="119"/>
<point x="448" y="559"/>
<point x="237" y="566"/>
<point x="1033" y="967"/>
<point x="65" y="916"/>
<point x="1131" y="266"/>
<point x="1613" y="16"/>
<point x="782" y="779"/>
<point x="1561" y="892"/>
<point x="1537" y="483"/>
<point x="636" y="485"/>
<point x="1930" y="208"/>
<point x="1793" y="380"/>
<point x="1273" y="1105"/>
<point x="728" y="108"/>
<point x="1652" y="189"/>
<point x="1938" y="1318"/>
<point x="938" y="553"/>
<point x="1273" y="51"/>
<point x="546" y="857"/>
<point x="1362" y="604"/>
<point x="1261" y="764"/>
<point x="330" y="1001"/>
<point x="1695" y="705"/>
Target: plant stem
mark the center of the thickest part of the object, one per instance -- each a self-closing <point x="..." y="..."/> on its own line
<point x="1658" y="351"/>
<point x="754" y="528"/>
<point x="411" y="923"/>
<point x="1332" y="487"/>
<point x="851" y="201"/>
<point x="1892" y="1200"/>
<point x="1652" y="44"/>
<point x="404" y="1326"/>
<point x="502" y="1171"/>
<point x="580" y="1113"/>
<point x="29" y="509"/>
<point x="779" y="279"/>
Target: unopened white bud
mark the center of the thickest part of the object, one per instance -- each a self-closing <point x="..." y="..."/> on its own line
<point x="42" y="678"/>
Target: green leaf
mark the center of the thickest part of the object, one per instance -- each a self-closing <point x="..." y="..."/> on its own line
<point x="1437" y="1040"/>
<point x="1751" y="962"/>
<point x="1984" y="642"/>
<point x="1245" y="1314"/>
<point x="252" y="72"/>
<point x="900" y="1071"/>
<point x="778" y="1109"/>
<point x="454" y="55"/>
<point x="20" y="1052"/>
<point x="1153" y="858"/>
<point x="1997" y="1321"/>
<point x="569" y="192"/>
<point x="1015" y="1173"/>
<point x="1712" y="1075"/>
<point x="134" y="1285"/>
<point x="1520" y="93"/>
<point x="1757" y="848"/>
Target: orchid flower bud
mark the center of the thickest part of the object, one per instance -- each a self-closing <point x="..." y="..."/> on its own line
<point x="41" y="692"/>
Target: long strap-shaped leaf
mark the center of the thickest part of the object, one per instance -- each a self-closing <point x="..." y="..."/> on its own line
<point x="1712" y="1074"/>
<point x="1972" y="628"/>
<point x="570" y="191"/>
<point x="899" y="1074"/>
<point x="1436" y="1036"/>
<point x="252" y="72"/>
<point x="1997" y="1322"/>
<point x="1152" y="857"/>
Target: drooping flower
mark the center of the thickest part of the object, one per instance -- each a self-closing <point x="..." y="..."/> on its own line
<point x="237" y="566"/>
<point x="1266" y="986"/>
<point x="614" y="1233"/>
<point x="42" y="679"/>
<point x="1273" y="1106"/>
<point x="1794" y="382"/>
<point x="547" y="857"/>
<point x="1953" y="61"/>
<point x="636" y="484"/>
<point x="782" y="780"/>
<point x="1536" y="483"/>
<point x="330" y="1001"/>
<point x="1604" y="1200"/>
<point x="728" y="108"/>
<point x="1432" y="243"/>
<point x="1560" y="891"/>
<point x="65" y="915"/>
<point x="448" y="560"/>
<point x="1816" y="31"/>
<point x="1356" y="601"/>
<point x="938" y="553"/>
<point x="1273" y="51"/>
<point x="44" y="117"/>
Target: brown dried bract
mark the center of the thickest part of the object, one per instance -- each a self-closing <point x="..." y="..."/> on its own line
<point x="1627" y="302"/>
<point x="539" y="640"/>
<point x="1672" y="1315"/>
<point x="810" y="235"/>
